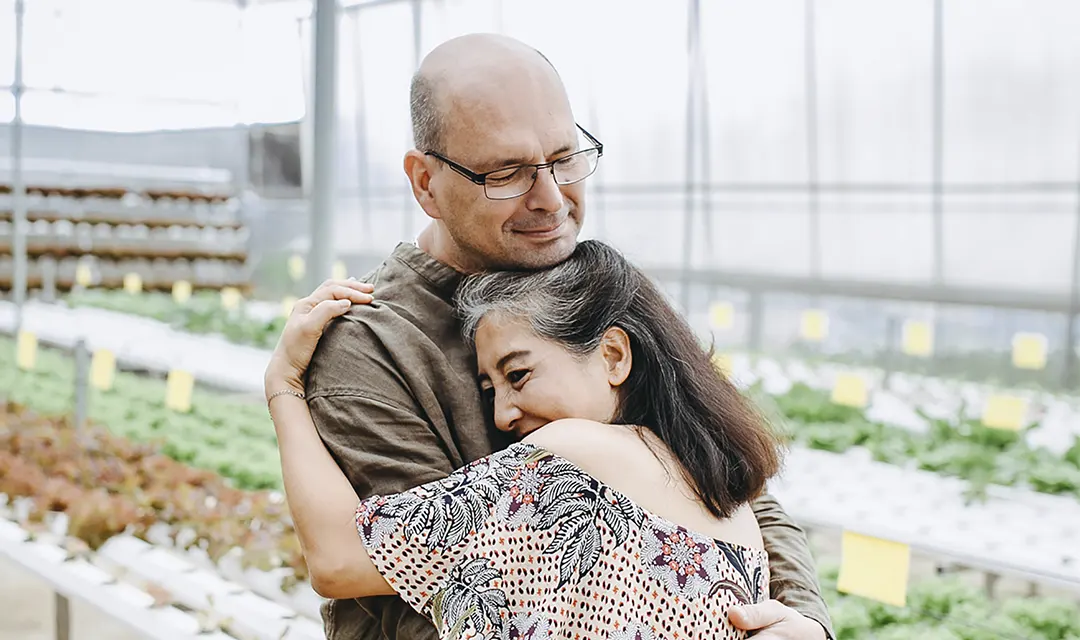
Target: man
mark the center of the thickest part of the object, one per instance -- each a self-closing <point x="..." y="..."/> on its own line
<point x="392" y="387"/>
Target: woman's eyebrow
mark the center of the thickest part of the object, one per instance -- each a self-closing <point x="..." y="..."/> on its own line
<point x="510" y="356"/>
<point x="483" y="377"/>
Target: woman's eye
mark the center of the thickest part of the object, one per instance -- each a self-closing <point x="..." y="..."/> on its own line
<point x="517" y="376"/>
<point x="488" y="395"/>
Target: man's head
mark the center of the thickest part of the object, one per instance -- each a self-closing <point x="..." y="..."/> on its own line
<point x="481" y="103"/>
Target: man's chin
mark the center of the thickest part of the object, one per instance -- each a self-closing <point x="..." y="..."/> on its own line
<point x="533" y="254"/>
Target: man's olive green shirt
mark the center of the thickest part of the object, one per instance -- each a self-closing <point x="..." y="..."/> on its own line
<point x="393" y="393"/>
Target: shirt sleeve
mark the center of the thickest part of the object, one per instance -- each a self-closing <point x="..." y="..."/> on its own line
<point x="793" y="578"/>
<point x="425" y="542"/>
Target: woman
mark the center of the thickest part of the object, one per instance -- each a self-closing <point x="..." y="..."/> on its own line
<point x="621" y="513"/>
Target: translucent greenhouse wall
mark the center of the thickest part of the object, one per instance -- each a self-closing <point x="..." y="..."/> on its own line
<point x="875" y="151"/>
<point x="869" y="157"/>
<point x="132" y="65"/>
<point x="1010" y="132"/>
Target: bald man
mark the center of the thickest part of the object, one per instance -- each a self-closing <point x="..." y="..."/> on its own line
<point x="392" y="387"/>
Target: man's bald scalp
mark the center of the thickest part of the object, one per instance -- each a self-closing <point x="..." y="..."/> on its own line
<point x="444" y="65"/>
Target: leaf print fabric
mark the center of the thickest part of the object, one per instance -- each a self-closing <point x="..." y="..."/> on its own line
<point x="469" y="599"/>
<point x="524" y="545"/>
<point x="685" y="563"/>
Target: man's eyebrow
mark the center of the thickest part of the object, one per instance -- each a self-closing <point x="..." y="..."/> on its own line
<point x="519" y="160"/>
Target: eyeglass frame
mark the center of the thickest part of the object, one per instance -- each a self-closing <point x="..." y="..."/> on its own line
<point x="481" y="178"/>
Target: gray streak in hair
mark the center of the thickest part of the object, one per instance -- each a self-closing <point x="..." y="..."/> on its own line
<point x="726" y="450"/>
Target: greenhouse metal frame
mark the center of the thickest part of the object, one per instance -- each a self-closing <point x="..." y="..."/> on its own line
<point x="702" y="200"/>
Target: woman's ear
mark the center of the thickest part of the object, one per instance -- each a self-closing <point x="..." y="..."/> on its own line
<point x="615" y="347"/>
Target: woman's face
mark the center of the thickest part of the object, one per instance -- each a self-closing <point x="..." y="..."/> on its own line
<point x="530" y="381"/>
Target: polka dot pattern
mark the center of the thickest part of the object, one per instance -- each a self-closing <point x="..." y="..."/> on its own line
<point x="519" y="546"/>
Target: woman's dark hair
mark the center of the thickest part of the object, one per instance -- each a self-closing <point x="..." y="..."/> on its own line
<point x="726" y="449"/>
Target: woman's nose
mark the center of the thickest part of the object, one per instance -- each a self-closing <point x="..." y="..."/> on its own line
<point x="506" y="413"/>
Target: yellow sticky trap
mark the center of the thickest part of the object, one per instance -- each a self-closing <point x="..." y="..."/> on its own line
<point x="1029" y="351"/>
<point x="181" y="291"/>
<point x="722" y="362"/>
<point x="287" y="305"/>
<point x="339" y="272"/>
<point x="133" y="283"/>
<point x="26" y="351"/>
<point x="850" y="391"/>
<point x="84" y="277"/>
<point x="918" y="339"/>
<point x="814" y="325"/>
<point x="874" y="568"/>
<point x="1005" y="412"/>
<point x="178" y="389"/>
<point x="296" y="268"/>
<point x="721" y="315"/>
<point x="103" y="369"/>
<point x="230" y="298"/>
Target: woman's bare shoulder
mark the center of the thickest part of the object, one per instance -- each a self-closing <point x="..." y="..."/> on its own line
<point x="593" y="446"/>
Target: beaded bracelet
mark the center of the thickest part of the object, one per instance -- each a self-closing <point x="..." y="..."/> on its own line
<point x="283" y="392"/>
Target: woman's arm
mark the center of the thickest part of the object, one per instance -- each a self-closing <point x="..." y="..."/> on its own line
<point x="321" y="500"/>
<point x="323" y="507"/>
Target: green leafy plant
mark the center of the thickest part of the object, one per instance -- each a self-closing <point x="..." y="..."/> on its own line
<point x="235" y="439"/>
<point x="202" y="313"/>
<point x="107" y="485"/>
<point x="961" y="447"/>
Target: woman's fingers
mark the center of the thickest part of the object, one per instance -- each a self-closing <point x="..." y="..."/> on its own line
<point x="337" y="290"/>
<point x="341" y="292"/>
<point x="321" y="315"/>
<point x="363" y="287"/>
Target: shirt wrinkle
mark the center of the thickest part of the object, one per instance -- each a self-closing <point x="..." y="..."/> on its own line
<point x="356" y="392"/>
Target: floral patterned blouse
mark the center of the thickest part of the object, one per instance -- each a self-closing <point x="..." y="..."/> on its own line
<point x="524" y="544"/>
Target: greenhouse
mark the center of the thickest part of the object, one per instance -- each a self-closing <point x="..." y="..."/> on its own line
<point x="867" y="211"/>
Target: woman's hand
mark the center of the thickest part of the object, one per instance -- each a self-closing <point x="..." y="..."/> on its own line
<point x="305" y="326"/>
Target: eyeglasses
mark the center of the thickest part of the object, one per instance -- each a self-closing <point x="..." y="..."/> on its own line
<point x="513" y="182"/>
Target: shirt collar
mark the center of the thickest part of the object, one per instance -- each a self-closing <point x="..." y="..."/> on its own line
<point x="443" y="277"/>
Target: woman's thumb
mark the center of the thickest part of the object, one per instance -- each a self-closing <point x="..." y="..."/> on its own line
<point x="756" y="616"/>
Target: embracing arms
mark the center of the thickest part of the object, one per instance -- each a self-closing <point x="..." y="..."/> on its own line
<point x="394" y="449"/>
<point x="321" y="499"/>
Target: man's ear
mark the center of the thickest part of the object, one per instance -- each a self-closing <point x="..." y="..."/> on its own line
<point x="615" y="347"/>
<point x="418" y="170"/>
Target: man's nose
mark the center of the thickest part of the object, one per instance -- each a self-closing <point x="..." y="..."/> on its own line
<point x="545" y="194"/>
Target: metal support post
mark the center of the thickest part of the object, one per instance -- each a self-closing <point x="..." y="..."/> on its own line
<point x="756" y="339"/>
<point x="49" y="270"/>
<point x="18" y="185"/>
<point x="82" y="385"/>
<point x="938" y="158"/>
<point x="938" y="96"/>
<point x="812" y="177"/>
<point x="408" y="205"/>
<point x="1069" y="376"/>
<point x="363" y="177"/>
<point x="893" y="339"/>
<point x="599" y="202"/>
<point x="324" y="115"/>
<point x="705" y="136"/>
<point x="63" y="616"/>
<point x="693" y="55"/>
